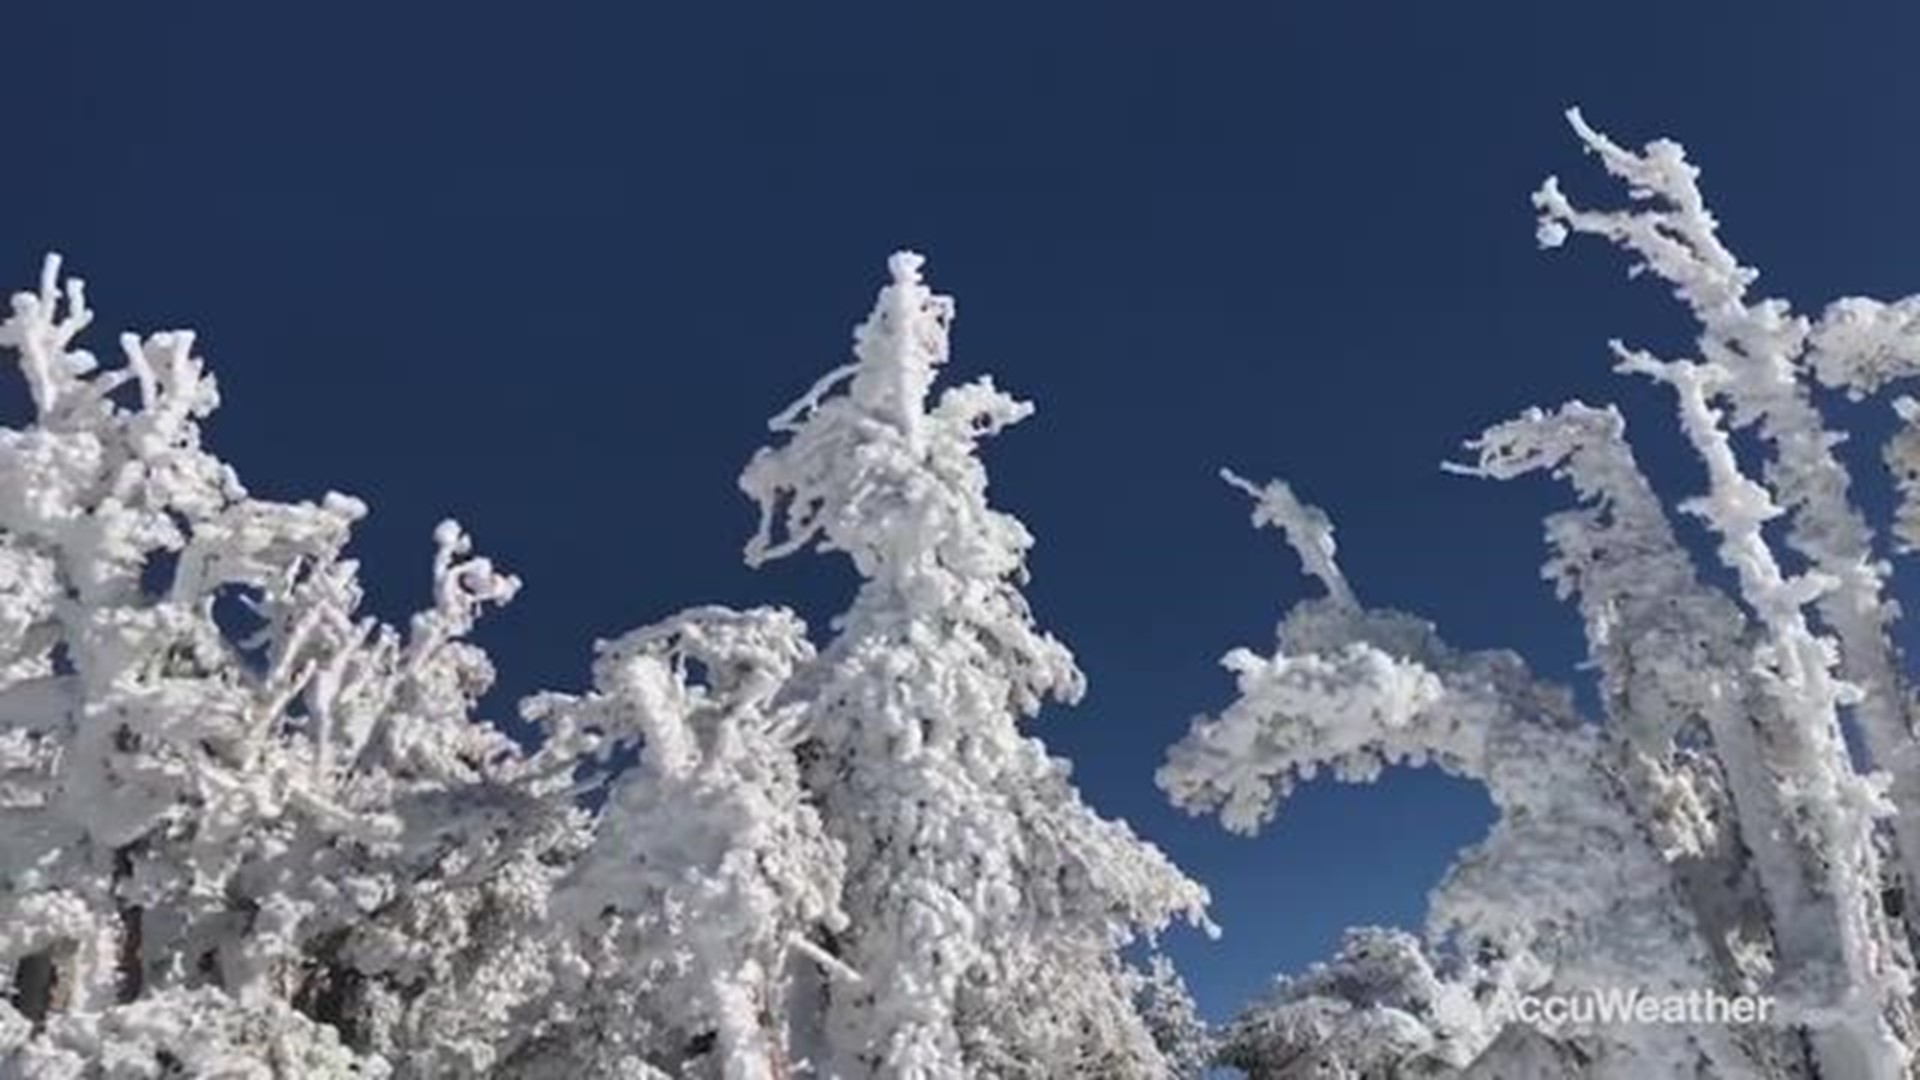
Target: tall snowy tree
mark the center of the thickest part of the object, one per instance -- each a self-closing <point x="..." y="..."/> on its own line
<point x="1833" y="949"/>
<point x="987" y="904"/>
<point x="1716" y="824"/>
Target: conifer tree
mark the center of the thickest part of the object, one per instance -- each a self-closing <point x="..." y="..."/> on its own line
<point x="987" y="904"/>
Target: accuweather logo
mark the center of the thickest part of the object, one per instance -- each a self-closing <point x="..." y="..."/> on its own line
<point x="1631" y="1005"/>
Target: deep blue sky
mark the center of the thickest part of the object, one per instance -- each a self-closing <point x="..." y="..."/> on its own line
<point x="548" y="269"/>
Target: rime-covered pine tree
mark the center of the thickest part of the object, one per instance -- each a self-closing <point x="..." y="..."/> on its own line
<point x="986" y="903"/>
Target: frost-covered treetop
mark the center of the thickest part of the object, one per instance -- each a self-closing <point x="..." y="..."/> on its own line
<point x="873" y="465"/>
<point x="875" y="449"/>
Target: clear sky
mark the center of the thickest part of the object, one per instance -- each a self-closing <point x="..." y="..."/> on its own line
<point x="548" y="268"/>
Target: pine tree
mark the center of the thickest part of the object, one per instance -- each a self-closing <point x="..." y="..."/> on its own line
<point x="986" y="902"/>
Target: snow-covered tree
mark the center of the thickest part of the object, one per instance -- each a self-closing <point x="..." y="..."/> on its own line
<point x="987" y="904"/>
<point x="1715" y="831"/>
<point x="1567" y="894"/>
<point x="247" y="830"/>
<point x="1377" y="1010"/>
<point x="235" y="813"/>
<point x="1185" y="1040"/>
<point x="712" y="871"/>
